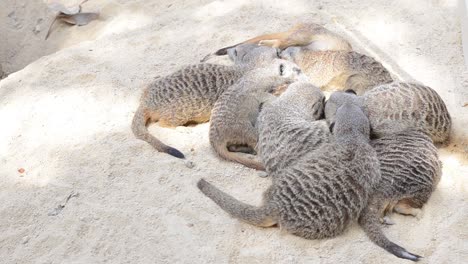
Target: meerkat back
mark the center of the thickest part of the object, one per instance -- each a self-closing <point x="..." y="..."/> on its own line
<point x="235" y="113"/>
<point x="396" y="106"/>
<point x="339" y="70"/>
<point x="289" y="127"/>
<point x="410" y="169"/>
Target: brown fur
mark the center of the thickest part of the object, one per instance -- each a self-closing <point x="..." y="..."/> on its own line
<point x="339" y="70"/>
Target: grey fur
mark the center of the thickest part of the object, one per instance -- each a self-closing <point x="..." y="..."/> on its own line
<point x="410" y="169"/>
<point x="323" y="192"/>
<point x="398" y="106"/>
<point x="235" y="113"/>
<point x="289" y="127"/>
<point x="187" y="96"/>
<point x="246" y="53"/>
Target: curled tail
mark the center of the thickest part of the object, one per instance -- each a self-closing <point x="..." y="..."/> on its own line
<point x="369" y="222"/>
<point x="238" y="157"/>
<point x="141" y="132"/>
<point x="259" y="216"/>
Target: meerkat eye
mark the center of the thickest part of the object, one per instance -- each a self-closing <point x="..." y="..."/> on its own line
<point x="351" y="91"/>
<point x="281" y="68"/>
<point x="332" y="125"/>
<point x="235" y="52"/>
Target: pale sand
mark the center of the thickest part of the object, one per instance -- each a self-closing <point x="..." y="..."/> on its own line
<point x="66" y="120"/>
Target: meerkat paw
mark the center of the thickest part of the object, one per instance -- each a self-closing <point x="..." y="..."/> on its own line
<point x="405" y="209"/>
<point x="274" y="43"/>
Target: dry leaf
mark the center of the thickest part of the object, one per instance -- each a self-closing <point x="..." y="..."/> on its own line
<point x="79" y="19"/>
<point x="21" y="170"/>
<point x="465" y="105"/>
<point x="70" y="15"/>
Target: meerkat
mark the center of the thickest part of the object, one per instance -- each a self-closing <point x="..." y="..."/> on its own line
<point x="399" y="106"/>
<point x="289" y="127"/>
<point x="312" y="35"/>
<point x="188" y="95"/>
<point x="234" y="114"/>
<point x="242" y="54"/>
<point x="410" y="169"/>
<point x="339" y="70"/>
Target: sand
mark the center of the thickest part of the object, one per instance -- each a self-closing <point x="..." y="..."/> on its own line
<point x="91" y="193"/>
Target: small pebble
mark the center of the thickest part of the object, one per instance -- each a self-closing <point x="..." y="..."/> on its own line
<point x="189" y="164"/>
<point x="25" y="240"/>
<point x="262" y="174"/>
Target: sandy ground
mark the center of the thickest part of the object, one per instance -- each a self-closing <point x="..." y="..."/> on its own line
<point x="92" y="193"/>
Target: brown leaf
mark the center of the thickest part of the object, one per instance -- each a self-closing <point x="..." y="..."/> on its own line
<point x="79" y="19"/>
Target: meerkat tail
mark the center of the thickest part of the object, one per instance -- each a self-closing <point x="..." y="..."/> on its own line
<point x="141" y="132"/>
<point x="369" y="222"/>
<point x="258" y="216"/>
<point x="238" y="157"/>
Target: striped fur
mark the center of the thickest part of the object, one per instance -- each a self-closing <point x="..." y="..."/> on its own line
<point x="289" y="127"/>
<point x="398" y="106"/>
<point x="410" y="167"/>
<point x="235" y="113"/>
<point x="188" y="96"/>
<point x="410" y="170"/>
<point x="324" y="191"/>
<point x="339" y="70"/>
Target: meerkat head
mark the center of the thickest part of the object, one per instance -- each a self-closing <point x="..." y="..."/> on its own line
<point x="290" y="53"/>
<point x="336" y="100"/>
<point x="252" y="54"/>
<point x="351" y="123"/>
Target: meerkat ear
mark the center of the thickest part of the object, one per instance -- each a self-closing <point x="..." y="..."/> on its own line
<point x="350" y="91"/>
<point x="278" y="53"/>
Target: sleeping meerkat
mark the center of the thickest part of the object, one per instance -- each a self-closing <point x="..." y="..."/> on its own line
<point x="188" y="95"/>
<point x="339" y="70"/>
<point x="410" y="169"/>
<point x="242" y="54"/>
<point x="311" y="35"/>
<point x="235" y="113"/>
<point x="289" y="127"/>
<point x="398" y="106"/>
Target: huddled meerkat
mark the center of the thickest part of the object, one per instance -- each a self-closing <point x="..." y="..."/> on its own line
<point x="188" y="96"/>
<point x="235" y="113"/>
<point x="398" y="106"/>
<point x="410" y="169"/>
<point x="312" y="35"/>
<point x="242" y="54"/>
<point x="339" y="70"/>
<point x="289" y="127"/>
<point x="323" y="192"/>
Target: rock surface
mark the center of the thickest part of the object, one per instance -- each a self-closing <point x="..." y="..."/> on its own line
<point x="66" y="123"/>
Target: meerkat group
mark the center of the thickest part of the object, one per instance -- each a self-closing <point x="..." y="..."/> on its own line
<point x="362" y="154"/>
